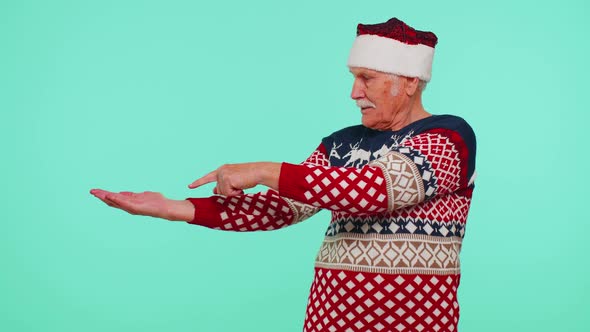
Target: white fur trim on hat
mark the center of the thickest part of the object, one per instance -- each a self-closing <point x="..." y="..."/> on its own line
<point x="392" y="56"/>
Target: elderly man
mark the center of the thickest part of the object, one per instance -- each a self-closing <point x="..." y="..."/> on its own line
<point x="399" y="187"/>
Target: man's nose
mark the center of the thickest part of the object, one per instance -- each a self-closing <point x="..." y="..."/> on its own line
<point x="358" y="90"/>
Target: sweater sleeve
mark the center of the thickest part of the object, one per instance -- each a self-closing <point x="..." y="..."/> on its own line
<point x="429" y="164"/>
<point x="262" y="211"/>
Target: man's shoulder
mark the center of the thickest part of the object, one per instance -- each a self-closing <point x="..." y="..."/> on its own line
<point x="459" y="131"/>
<point x="447" y="121"/>
<point x="451" y="122"/>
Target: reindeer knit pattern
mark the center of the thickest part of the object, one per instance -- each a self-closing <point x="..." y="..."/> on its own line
<point x="399" y="203"/>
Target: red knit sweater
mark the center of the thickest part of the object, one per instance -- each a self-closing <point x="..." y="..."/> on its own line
<point x="399" y="202"/>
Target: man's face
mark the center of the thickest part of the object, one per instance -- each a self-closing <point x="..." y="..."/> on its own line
<point x="378" y="96"/>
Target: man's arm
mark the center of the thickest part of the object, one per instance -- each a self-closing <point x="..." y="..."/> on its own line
<point x="433" y="163"/>
<point x="246" y="212"/>
<point x="429" y="164"/>
<point x="235" y="211"/>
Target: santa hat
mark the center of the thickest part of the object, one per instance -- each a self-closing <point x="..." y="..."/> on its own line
<point x="394" y="47"/>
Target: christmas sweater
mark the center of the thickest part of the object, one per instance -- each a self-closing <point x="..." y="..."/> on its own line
<point x="399" y="201"/>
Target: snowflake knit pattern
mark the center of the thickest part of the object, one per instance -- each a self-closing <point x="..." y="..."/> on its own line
<point x="399" y="203"/>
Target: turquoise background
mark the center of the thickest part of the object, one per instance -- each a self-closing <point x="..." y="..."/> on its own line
<point x="150" y="95"/>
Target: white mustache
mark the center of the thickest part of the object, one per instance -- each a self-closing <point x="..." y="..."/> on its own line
<point x="364" y="103"/>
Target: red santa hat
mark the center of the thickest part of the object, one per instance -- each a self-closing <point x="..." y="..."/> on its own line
<point x="394" y="47"/>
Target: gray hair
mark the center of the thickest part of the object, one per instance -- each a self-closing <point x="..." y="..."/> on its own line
<point x="395" y="86"/>
<point x="422" y="85"/>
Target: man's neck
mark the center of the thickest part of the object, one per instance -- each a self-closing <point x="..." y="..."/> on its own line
<point x="414" y="112"/>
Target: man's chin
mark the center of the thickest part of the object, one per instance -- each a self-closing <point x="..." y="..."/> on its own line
<point x="367" y="121"/>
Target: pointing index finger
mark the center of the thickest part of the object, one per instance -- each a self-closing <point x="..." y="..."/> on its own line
<point x="211" y="177"/>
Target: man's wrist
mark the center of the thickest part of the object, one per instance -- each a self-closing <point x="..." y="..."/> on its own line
<point x="269" y="174"/>
<point x="180" y="210"/>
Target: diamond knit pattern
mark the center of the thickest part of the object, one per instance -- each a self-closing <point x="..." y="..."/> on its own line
<point x="356" y="301"/>
<point x="444" y="157"/>
<point x="338" y="188"/>
<point x="404" y="180"/>
<point x="450" y="208"/>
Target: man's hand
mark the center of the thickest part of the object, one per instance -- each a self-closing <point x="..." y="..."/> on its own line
<point x="234" y="178"/>
<point x="147" y="204"/>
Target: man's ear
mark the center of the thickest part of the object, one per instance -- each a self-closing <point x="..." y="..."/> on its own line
<point x="411" y="85"/>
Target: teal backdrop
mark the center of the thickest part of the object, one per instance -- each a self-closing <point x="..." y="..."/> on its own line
<point x="150" y="95"/>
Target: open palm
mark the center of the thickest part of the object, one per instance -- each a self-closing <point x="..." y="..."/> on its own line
<point x="146" y="203"/>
